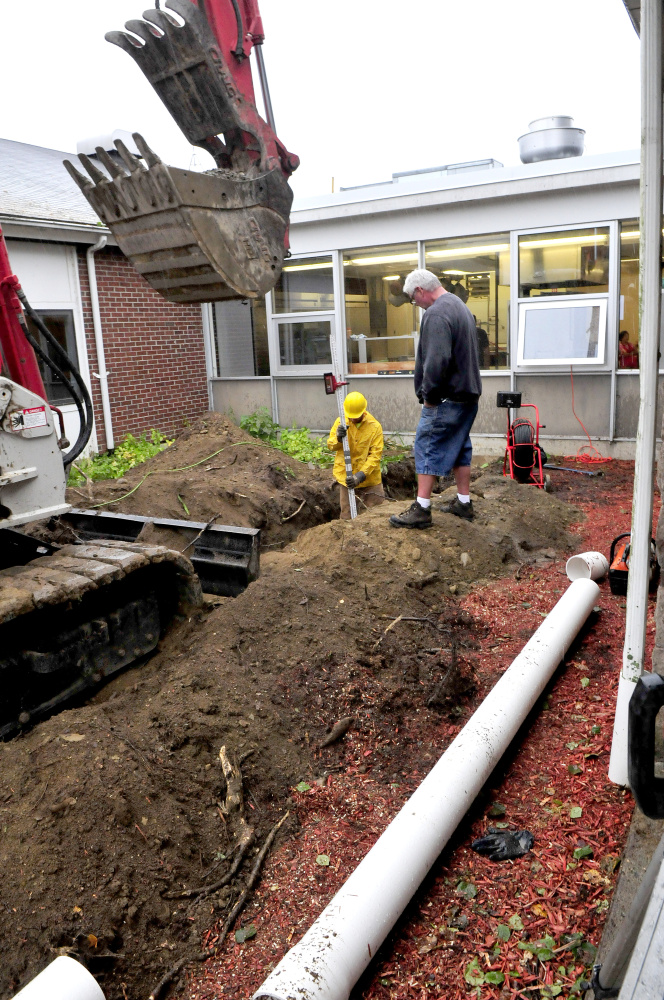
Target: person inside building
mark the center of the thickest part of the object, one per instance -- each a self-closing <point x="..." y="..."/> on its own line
<point x="628" y="354"/>
<point x="447" y="383"/>
<point x="482" y="344"/>
<point x="365" y="440"/>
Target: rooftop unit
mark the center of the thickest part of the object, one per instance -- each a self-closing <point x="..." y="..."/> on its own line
<point x="552" y="138"/>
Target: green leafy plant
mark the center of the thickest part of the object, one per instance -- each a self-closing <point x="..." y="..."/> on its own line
<point x="293" y="441"/>
<point x="298" y="443"/>
<point x="127" y="453"/>
<point x="474" y="975"/>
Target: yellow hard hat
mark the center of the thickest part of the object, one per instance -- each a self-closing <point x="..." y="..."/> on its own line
<point x="354" y="405"/>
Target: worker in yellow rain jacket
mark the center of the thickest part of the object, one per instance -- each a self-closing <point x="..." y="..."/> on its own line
<point x="365" y="440"/>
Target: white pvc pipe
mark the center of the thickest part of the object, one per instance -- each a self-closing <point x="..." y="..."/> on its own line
<point x="337" y="948"/>
<point x="650" y="294"/>
<point x="63" y="979"/>
<point x="102" y="374"/>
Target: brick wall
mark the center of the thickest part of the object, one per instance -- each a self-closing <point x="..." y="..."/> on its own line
<point x="155" y="355"/>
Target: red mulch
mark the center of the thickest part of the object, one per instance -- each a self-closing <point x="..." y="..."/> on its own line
<point x="526" y="927"/>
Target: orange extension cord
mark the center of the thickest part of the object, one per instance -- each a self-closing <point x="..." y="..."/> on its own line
<point x="588" y="453"/>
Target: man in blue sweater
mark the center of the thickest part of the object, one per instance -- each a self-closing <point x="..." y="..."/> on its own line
<point x="448" y="385"/>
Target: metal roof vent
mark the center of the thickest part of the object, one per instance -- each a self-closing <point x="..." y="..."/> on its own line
<point x="552" y="138"/>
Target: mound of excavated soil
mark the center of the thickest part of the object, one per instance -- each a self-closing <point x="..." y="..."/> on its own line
<point x="513" y="524"/>
<point x="110" y="810"/>
<point x="216" y="470"/>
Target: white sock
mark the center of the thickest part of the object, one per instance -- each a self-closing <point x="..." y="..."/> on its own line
<point x="424" y="502"/>
<point x="464" y="498"/>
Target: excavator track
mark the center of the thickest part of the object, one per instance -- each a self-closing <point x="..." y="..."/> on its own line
<point x="70" y="620"/>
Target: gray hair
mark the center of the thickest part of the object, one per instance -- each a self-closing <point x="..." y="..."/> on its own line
<point x="426" y="280"/>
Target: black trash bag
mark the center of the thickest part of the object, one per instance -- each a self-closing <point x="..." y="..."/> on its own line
<point x="501" y="845"/>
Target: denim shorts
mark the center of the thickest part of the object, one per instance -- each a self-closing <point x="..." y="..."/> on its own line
<point x="442" y="439"/>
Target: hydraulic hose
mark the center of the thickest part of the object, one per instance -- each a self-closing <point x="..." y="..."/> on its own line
<point x="81" y="398"/>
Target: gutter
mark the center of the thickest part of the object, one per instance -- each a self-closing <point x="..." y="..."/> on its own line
<point x="327" y="962"/>
<point x="102" y="374"/>
<point x="88" y="231"/>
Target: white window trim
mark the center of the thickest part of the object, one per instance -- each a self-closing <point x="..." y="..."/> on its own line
<point x="609" y="363"/>
<point x="283" y="318"/>
<point x="564" y="302"/>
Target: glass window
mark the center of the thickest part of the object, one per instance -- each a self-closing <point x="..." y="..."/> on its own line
<point x="305" y="343"/>
<point x="573" y="262"/>
<point x="477" y="269"/>
<point x="240" y="338"/>
<point x="60" y="322"/>
<point x="558" y="332"/>
<point x="628" y="338"/>
<point x="381" y="323"/>
<point x="305" y="285"/>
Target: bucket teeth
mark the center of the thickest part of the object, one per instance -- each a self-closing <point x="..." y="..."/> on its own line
<point x="141" y="29"/>
<point x="161" y="19"/>
<point x="97" y="175"/>
<point x="148" y="154"/>
<point x="78" y="177"/>
<point x="123" y="41"/>
<point x="113" y="167"/>
<point x="131" y="162"/>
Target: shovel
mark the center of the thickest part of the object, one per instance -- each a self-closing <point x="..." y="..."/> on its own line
<point x="332" y="385"/>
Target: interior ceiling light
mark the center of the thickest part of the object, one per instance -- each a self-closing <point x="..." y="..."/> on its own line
<point x="388" y="259"/>
<point x="306" y="267"/>
<point x="458" y="274"/>
<point x="635" y="234"/>
<point x="563" y="241"/>
<point x="391" y="277"/>
<point x="468" y="251"/>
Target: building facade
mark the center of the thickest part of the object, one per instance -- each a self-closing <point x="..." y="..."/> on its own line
<point x="545" y="255"/>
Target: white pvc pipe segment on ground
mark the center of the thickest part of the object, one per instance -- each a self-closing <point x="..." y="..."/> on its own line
<point x="63" y="979"/>
<point x="335" y="951"/>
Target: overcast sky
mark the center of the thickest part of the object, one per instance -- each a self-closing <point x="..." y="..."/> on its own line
<point x="360" y="88"/>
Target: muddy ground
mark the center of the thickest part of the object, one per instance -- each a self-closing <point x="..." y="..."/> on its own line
<point x="111" y="810"/>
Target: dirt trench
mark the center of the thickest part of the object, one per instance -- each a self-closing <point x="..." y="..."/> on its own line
<point x="112" y="810"/>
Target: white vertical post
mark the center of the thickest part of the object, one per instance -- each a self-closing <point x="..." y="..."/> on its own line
<point x="649" y="326"/>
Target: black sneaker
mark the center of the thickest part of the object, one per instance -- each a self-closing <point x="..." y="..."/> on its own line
<point x="414" y="517"/>
<point x="455" y="506"/>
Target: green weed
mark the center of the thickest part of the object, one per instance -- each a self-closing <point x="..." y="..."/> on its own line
<point x="129" y="452"/>
<point x="293" y="441"/>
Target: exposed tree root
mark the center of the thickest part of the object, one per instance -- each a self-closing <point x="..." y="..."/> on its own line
<point x="243" y="836"/>
<point x="250" y="881"/>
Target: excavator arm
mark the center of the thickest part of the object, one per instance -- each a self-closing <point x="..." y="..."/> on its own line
<point x="199" y="237"/>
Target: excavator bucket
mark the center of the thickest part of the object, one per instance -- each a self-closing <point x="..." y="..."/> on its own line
<point x="194" y="237"/>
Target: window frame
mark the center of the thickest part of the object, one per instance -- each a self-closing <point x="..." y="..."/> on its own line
<point x="562" y="302"/>
<point x="281" y="319"/>
<point x="611" y="298"/>
<point x="329" y="254"/>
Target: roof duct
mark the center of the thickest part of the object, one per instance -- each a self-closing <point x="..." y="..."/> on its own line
<point x="552" y="138"/>
<point x="107" y="142"/>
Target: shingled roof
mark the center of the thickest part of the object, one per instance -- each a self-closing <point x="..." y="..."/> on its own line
<point x="35" y="186"/>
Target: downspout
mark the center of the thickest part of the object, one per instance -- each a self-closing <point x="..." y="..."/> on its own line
<point x="102" y="374"/>
<point x="649" y="324"/>
<point x="335" y="951"/>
